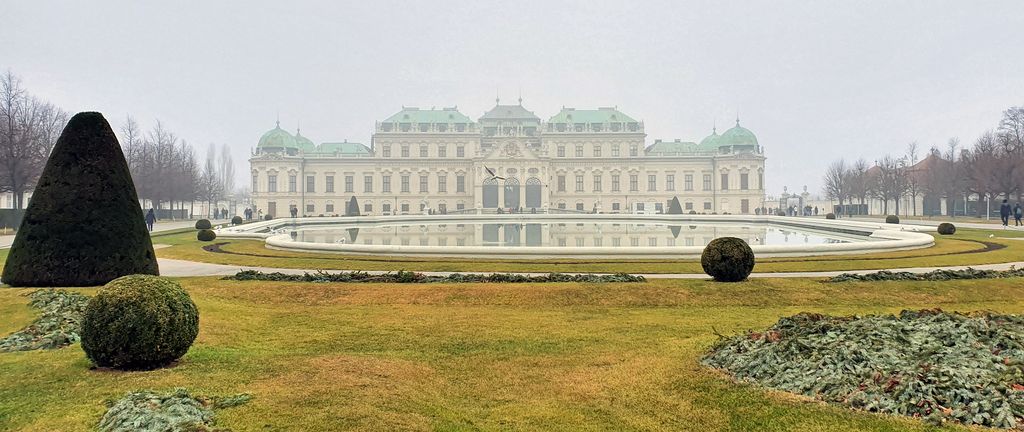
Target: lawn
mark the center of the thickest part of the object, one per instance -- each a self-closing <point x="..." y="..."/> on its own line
<point x="456" y="357"/>
<point x="967" y="247"/>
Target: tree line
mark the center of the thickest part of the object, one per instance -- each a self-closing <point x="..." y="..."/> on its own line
<point x="989" y="170"/>
<point x="167" y="172"/>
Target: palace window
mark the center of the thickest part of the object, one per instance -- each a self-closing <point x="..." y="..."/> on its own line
<point x="255" y="181"/>
<point x="670" y="182"/>
<point x="310" y="184"/>
<point x="615" y="183"/>
<point x="386" y="151"/>
<point x="688" y="182"/>
<point x="615" y="150"/>
<point x="579" y="183"/>
<point x="597" y="183"/>
<point x="405" y="151"/>
<point x="442" y="151"/>
<point x="385" y="208"/>
<point x="442" y="183"/>
<point x="707" y="205"/>
<point x="385" y="186"/>
<point x="652" y="182"/>
<point x="367" y="183"/>
<point x="405" y="184"/>
<point x="579" y="150"/>
<point x="310" y="209"/>
<point x="760" y="180"/>
<point x="744" y="181"/>
<point x="597" y="150"/>
<point x="579" y="207"/>
<point x="633" y="150"/>
<point x="615" y="207"/>
<point x="405" y="209"/>
<point x="350" y="184"/>
<point x="725" y="181"/>
<point x="329" y="208"/>
<point x="460" y="183"/>
<point x="271" y="183"/>
<point x="423" y="151"/>
<point x="561" y="183"/>
<point x="291" y="183"/>
<point x="330" y="184"/>
<point x="689" y="206"/>
<point x="460" y="151"/>
<point x="707" y="182"/>
<point x="368" y="208"/>
<point x="423" y="184"/>
<point x="634" y="183"/>
<point x="561" y="151"/>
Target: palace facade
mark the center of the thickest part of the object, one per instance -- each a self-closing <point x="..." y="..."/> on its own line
<point x="438" y="160"/>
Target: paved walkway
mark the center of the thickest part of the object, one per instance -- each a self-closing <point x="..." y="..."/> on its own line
<point x="5" y="241"/>
<point x="179" y="268"/>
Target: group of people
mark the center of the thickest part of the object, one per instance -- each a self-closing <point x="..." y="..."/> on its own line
<point x="1005" y="211"/>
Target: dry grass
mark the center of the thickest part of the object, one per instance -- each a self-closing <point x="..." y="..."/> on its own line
<point x="475" y="356"/>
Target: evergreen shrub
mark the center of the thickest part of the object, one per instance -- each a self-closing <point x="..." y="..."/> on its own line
<point x="139" y="322"/>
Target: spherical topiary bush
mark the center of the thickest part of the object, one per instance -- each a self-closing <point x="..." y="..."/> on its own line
<point x="830" y="216"/>
<point x="237" y="220"/>
<point x="206" y="235"/>
<point x="947" y="228"/>
<point x="268" y="217"/>
<point x="139" y="322"/>
<point x="892" y="219"/>
<point x="727" y="259"/>
<point x="202" y="224"/>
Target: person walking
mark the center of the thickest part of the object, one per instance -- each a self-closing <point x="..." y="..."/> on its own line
<point x="1018" y="213"/>
<point x="1004" y="213"/>
<point x="150" y="219"/>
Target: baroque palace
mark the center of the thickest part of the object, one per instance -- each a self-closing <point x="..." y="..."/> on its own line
<point x="438" y="160"/>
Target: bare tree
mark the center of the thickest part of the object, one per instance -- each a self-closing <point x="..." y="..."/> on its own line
<point x="913" y="177"/>
<point x="890" y="182"/>
<point x="29" y="128"/>
<point x="837" y="182"/>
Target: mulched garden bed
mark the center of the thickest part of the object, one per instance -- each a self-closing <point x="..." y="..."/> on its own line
<point x="939" y="366"/>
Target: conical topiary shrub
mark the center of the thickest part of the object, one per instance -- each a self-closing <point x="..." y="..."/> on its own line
<point x="352" y="208"/>
<point x="84" y="225"/>
<point x="674" y="207"/>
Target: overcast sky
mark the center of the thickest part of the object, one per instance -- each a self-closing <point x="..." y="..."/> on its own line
<point x="814" y="80"/>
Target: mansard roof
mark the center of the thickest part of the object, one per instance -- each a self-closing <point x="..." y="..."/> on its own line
<point x="600" y="115"/>
<point x="416" y="115"/>
<point x="510" y="112"/>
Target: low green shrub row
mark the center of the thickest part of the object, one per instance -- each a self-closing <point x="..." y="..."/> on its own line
<point x="57" y="327"/>
<point x="942" y="367"/>
<point x="413" y="277"/>
<point x="935" y="275"/>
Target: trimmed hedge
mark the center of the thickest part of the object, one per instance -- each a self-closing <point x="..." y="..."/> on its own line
<point x="206" y="235"/>
<point x="830" y="216"/>
<point x="139" y="322"/>
<point x="83" y="225"/>
<point x="237" y="220"/>
<point x="947" y="228"/>
<point x="727" y="259"/>
<point x="892" y="219"/>
<point x="203" y="224"/>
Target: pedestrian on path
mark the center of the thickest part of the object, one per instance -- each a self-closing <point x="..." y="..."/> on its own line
<point x="1004" y="212"/>
<point x="1018" y="213"/>
<point x="150" y="219"/>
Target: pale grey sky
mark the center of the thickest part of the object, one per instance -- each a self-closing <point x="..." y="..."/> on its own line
<point x="814" y="80"/>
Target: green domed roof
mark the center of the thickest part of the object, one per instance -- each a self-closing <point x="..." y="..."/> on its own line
<point x="737" y="136"/>
<point x="710" y="142"/>
<point x="304" y="143"/>
<point x="277" y="138"/>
